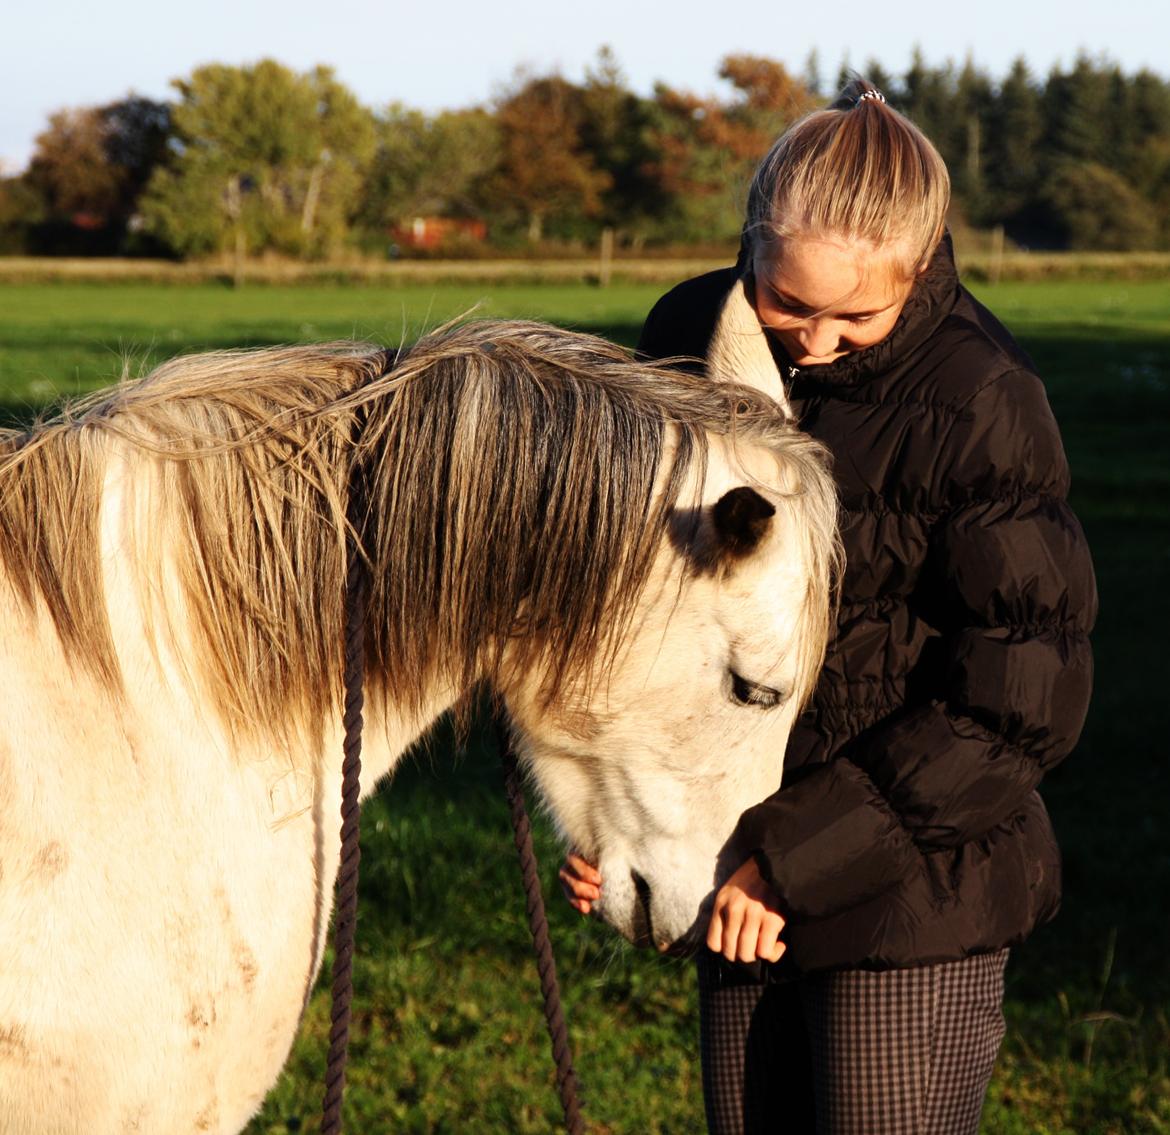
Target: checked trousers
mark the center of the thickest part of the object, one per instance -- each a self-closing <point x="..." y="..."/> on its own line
<point x="894" y="1052"/>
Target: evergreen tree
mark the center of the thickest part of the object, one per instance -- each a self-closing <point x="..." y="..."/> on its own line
<point x="925" y="97"/>
<point x="1076" y="112"/>
<point x="882" y="79"/>
<point x="1015" y="127"/>
<point x="615" y="130"/>
<point x="972" y="109"/>
<point x="1143" y="133"/>
<point x="813" y="80"/>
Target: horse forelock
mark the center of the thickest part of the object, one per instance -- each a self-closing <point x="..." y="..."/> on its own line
<point x="517" y="483"/>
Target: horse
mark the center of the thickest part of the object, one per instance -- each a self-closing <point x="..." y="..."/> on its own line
<point x="634" y="560"/>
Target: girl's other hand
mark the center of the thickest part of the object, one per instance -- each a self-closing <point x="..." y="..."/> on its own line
<point x="580" y="881"/>
<point x="745" y="922"/>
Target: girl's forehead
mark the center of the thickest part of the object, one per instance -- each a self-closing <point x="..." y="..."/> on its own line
<point x="831" y="274"/>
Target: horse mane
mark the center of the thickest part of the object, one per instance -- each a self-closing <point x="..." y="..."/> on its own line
<point x="516" y="483"/>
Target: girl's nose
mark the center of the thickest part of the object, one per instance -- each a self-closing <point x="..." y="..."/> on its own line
<point x="819" y="338"/>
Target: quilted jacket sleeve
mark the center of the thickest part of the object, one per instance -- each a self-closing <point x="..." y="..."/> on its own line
<point x="1009" y="584"/>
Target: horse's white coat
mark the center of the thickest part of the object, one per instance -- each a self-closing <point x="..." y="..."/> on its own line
<point x="164" y="896"/>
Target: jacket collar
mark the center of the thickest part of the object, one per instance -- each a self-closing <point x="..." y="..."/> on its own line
<point x="933" y="296"/>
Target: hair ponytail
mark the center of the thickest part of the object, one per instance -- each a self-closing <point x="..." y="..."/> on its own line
<point x="858" y="170"/>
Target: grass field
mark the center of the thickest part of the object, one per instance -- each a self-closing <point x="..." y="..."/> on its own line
<point x="448" y="1034"/>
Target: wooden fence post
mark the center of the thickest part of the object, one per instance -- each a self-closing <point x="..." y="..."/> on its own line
<point x="605" y="269"/>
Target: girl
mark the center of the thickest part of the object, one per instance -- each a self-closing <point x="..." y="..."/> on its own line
<point x="854" y="982"/>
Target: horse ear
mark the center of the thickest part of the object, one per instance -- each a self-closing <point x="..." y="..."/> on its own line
<point x="741" y="518"/>
<point x="739" y="349"/>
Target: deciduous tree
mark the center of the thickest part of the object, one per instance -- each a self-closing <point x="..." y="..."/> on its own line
<point x="545" y="170"/>
<point x="1096" y="209"/>
<point x="429" y="165"/>
<point x="71" y="167"/>
<point x="707" y="149"/>
<point x="263" y="158"/>
<point x="89" y="169"/>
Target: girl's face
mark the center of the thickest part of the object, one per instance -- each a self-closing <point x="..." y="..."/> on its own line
<point x="825" y="298"/>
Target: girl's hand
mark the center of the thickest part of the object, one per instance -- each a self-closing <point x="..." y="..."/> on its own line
<point x="580" y="881"/>
<point x="745" y="923"/>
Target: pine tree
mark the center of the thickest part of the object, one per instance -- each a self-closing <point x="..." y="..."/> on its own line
<point x="1014" y="129"/>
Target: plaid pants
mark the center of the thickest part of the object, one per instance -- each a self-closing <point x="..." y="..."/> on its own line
<point x="896" y="1052"/>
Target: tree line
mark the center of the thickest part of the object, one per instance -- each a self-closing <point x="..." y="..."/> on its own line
<point x="260" y="158"/>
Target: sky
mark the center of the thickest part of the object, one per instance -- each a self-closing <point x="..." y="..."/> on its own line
<point x="62" y="53"/>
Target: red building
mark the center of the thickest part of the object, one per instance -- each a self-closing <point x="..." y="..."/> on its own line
<point x="433" y="232"/>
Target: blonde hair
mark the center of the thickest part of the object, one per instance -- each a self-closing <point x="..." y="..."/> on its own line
<point x="857" y="170"/>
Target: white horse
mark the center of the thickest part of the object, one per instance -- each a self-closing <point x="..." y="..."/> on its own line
<point x="634" y="560"/>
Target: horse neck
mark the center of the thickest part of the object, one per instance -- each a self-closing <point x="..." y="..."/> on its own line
<point x="388" y="733"/>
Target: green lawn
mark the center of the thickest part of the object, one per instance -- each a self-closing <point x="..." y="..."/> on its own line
<point x="63" y="339"/>
<point x="448" y="1034"/>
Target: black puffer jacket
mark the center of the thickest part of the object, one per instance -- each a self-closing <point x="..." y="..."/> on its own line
<point x="908" y="829"/>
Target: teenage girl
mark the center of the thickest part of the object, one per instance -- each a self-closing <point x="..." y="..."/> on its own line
<point x="854" y="978"/>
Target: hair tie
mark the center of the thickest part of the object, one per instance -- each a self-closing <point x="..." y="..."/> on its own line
<point x="872" y="93"/>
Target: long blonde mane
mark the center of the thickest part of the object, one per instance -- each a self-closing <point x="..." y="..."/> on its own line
<point x="514" y="505"/>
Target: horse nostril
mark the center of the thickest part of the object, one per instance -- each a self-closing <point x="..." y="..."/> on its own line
<point x="643" y="926"/>
<point x="641" y="887"/>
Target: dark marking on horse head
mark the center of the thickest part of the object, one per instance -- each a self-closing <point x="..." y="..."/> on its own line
<point x="242" y="953"/>
<point x="135" y="1120"/>
<point x="643" y="928"/>
<point x="741" y="518"/>
<point x="731" y="529"/>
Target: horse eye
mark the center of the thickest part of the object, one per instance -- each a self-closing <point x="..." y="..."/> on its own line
<point x="751" y="693"/>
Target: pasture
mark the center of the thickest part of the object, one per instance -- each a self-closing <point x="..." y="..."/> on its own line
<point x="448" y="1034"/>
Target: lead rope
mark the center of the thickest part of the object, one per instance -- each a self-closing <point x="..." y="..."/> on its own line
<point x="554" y="1015"/>
<point x="356" y="590"/>
<point x="356" y="594"/>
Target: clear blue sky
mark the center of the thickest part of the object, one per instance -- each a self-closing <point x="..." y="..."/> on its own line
<point x="57" y="53"/>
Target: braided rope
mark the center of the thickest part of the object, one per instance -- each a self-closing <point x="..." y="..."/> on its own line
<point x="538" y="923"/>
<point x="345" y="924"/>
<point x="347" y="877"/>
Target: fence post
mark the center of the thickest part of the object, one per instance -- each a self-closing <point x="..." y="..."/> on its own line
<point x="996" y="253"/>
<point x="605" y="269"/>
